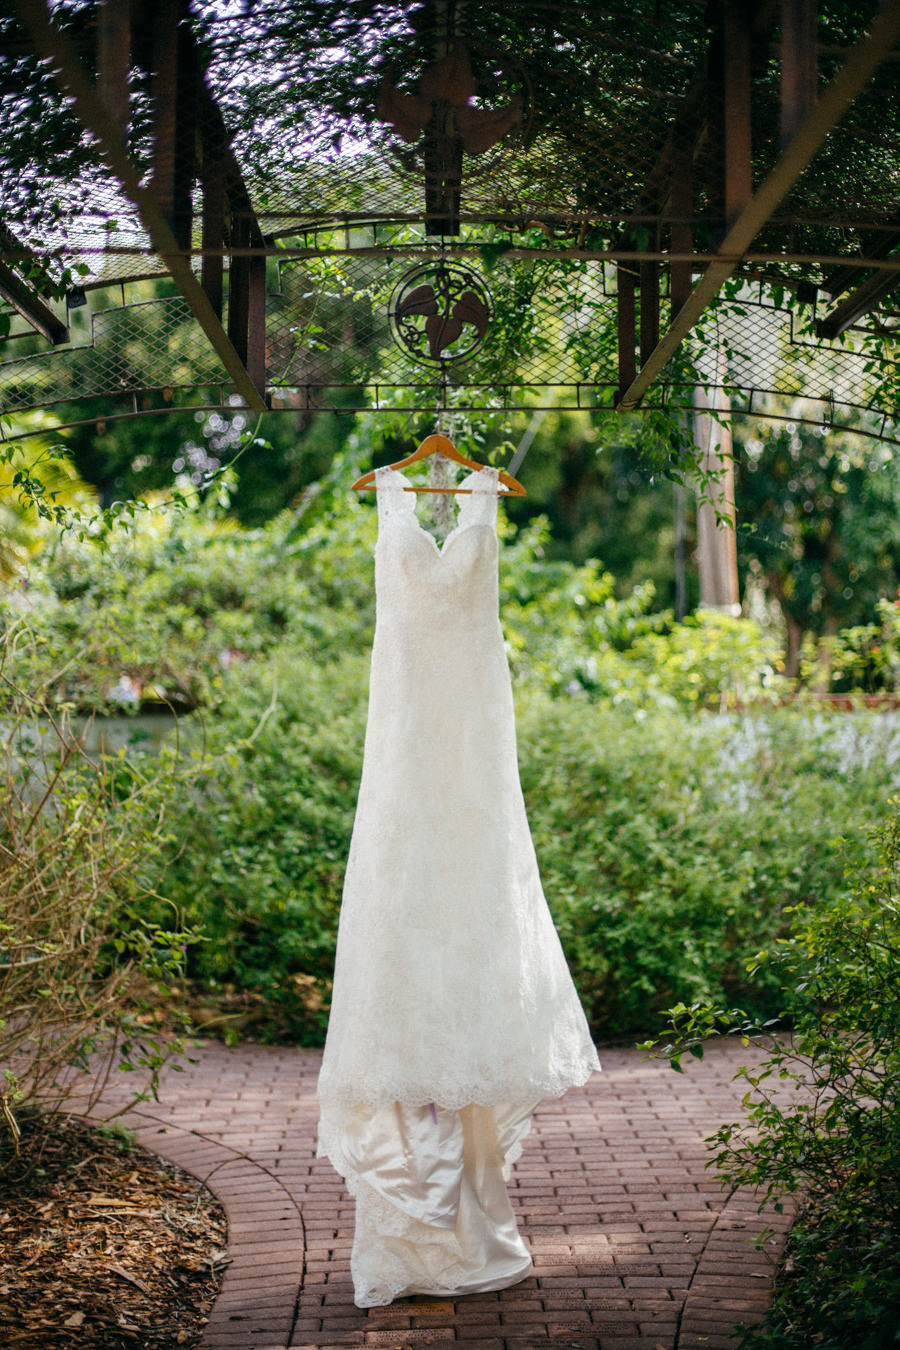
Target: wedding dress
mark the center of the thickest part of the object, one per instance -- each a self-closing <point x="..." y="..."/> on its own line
<point x="453" y="1010"/>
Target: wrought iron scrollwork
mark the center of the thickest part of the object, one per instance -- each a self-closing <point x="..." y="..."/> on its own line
<point x="440" y="312"/>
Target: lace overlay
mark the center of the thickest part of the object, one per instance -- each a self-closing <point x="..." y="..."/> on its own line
<point x="451" y="991"/>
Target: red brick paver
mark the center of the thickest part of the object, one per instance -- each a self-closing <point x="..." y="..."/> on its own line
<point x="635" y="1245"/>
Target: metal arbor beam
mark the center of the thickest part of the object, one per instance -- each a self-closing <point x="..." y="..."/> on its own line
<point x="736" y="49"/>
<point x="859" y="302"/>
<point x="875" y="248"/>
<point x="23" y="297"/>
<point x="799" y="73"/>
<point x="26" y="301"/>
<point x="173" y="76"/>
<point x="247" y="271"/>
<point x="56" y="47"/>
<point x="862" y="62"/>
<point x="883" y="252"/>
<point x="114" y="57"/>
<point x="738" y="140"/>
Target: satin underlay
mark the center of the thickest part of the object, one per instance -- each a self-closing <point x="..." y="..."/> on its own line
<point x="432" y="1211"/>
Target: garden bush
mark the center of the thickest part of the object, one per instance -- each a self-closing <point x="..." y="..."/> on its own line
<point x="568" y="631"/>
<point x="671" y="840"/>
<point x="670" y="844"/>
<point x="85" y="980"/>
<point x="835" y="1137"/>
<point x="262" y="834"/>
<point x="157" y="612"/>
<point x="862" y="659"/>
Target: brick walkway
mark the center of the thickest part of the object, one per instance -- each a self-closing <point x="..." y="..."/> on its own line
<point x="635" y="1245"/>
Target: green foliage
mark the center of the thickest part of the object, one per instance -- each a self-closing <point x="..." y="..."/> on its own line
<point x="35" y="486"/>
<point x="84" y="974"/>
<point x="823" y="1105"/>
<point x="263" y="832"/>
<point x="670" y="842"/>
<point x="672" y="845"/>
<point x="864" y="658"/>
<point x="635" y="816"/>
<point x="278" y="457"/>
<point x="568" y="631"/>
<point x="125" y="1137"/>
<point x="823" y="536"/>
<point x="600" y="495"/>
<point x="158" y="611"/>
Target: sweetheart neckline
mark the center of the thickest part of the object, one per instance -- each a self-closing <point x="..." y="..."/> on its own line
<point x="457" y="530"/>
<point x="418" y="528"/>
<point x="410" y="515"/>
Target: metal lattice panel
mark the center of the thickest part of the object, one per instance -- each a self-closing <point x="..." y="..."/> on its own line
<point x="339" y="334"/>
<point x="606" y="94"/>
<point x="133" y="349"/>
<point x="756" y="350"/>
<point x="330" y="345"/>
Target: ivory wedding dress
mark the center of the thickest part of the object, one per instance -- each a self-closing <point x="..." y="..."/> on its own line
<point x="453" y="1010"/>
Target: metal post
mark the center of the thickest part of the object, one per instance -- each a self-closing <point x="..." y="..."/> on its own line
<point x="649" y="275"/>
<point x="114" y="58"/>
<point x="50" y="42"/>
<point x="738" y="142"/>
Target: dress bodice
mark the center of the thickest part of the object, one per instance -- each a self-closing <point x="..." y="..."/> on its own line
<point x="419" y="582"/>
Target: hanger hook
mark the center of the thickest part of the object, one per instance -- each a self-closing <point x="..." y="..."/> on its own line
<point x="440" y="421"/>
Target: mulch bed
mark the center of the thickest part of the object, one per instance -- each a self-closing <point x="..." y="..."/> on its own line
<point x="103" y="1246"/>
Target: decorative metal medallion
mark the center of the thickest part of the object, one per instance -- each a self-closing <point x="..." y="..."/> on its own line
<point x="440" y="312"/>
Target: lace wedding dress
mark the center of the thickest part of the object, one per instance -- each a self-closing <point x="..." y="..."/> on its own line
<point x="453" y="1010"/>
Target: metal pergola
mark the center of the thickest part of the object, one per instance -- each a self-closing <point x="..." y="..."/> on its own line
<point x="646" y="199"/>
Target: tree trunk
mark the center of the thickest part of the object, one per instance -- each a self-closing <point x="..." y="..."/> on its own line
<point x="795" y="635"/>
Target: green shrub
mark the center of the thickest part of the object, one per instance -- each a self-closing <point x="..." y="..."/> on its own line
<point x="671" y="841"/>
<point x="163" y="610"/>
<point x="159" y="613"/>
<point x="670" y="844"/>
<point x="567" y="631"/>
<point x="264" y="830"/>
<point x="862" y="659"/>
<point x="834" y="1138"/>
<point x="84" y="977"/>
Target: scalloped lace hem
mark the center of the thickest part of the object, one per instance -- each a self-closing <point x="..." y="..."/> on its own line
<point x="455" y="1097"/>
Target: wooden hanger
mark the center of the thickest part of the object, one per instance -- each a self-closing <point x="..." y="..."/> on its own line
<point x="441" y="445"/>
